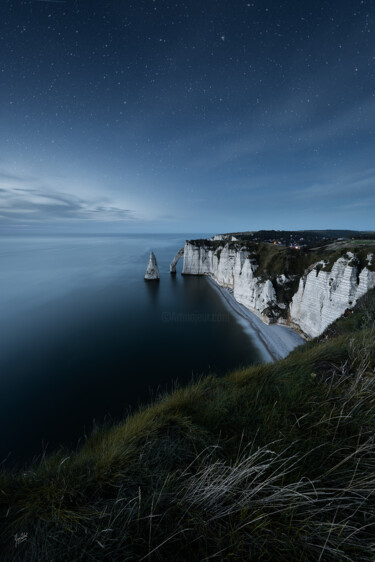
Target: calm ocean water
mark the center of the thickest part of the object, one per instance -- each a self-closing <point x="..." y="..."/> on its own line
<point x="83" y="338"/>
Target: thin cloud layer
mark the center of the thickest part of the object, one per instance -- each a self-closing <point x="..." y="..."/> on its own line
<point x="28" y="204"/>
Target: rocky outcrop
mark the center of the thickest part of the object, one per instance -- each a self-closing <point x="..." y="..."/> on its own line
<point x="324" y="293"/>
<point x="176" y="259"/>
<point x="222" y="237"/>
<point x="152" y="272"/>
<point x="234" y="269"/>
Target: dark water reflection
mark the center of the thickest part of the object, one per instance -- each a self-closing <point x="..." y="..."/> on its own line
<point x="153" y="290"/>
<point x="83" y="336"/>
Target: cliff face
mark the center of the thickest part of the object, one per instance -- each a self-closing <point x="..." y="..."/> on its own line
<point x="323" y="295"/>
<point x="234" y="269"/>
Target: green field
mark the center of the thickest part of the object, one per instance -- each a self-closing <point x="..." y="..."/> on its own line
<point x="363" y="242"/>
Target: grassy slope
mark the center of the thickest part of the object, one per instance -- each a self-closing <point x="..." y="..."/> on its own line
<point x="274" y="462"/>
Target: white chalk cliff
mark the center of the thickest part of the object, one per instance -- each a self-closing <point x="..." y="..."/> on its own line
<point x="176" y="259"/>
<point x="152" y="272"/>
<point x="324" y="293"/>
<point x="234" y="269"/>
<point x="222" y="237"/>
<point x="323" y="296"/>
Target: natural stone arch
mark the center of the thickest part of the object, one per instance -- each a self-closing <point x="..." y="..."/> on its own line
<point x="176" y="259"/>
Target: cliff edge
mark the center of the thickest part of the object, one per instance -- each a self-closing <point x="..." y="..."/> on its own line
<point x="306" y="288"/>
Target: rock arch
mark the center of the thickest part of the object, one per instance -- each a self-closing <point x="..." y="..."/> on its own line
<point x="178" y="256"/>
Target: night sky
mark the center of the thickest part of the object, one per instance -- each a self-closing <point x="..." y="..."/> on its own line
<point x="186" y="116"/>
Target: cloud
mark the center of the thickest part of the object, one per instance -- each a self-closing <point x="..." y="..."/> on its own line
<point x="288" y="129"/>
<point x="366" y="204"/>
<point x="40" y="204"/>
<point x="352" y="186"/>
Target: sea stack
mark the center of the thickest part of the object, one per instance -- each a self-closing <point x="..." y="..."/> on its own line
<point x="152" y="272"/>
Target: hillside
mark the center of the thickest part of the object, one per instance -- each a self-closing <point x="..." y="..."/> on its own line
<point x="274" y="462"/>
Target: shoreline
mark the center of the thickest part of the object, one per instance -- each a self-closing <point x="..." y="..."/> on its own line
<point x="272" y="340"/>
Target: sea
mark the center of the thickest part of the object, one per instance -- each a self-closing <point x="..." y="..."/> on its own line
<point x="85" y="341"/>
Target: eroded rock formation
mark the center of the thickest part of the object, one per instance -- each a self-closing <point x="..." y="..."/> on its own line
<point x="152" y="272"/>
<point x="176" y="259"/>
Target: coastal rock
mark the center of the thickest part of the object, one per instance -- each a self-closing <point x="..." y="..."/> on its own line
<point x="221" y="237"/>
<point x="176" y="259"/>
<point x="325" y="291"/>
<point x="323" y="296"/>
<point x="152" y="272"/>
<point x="234" y="269"/>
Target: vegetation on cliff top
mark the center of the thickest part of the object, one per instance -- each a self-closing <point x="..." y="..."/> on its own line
<point x="309" y="237"/>
<point x="273" y="462"/>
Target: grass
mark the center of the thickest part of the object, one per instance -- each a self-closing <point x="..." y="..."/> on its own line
<point x="363" y="242"/>
<point x="272" y="462"/>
